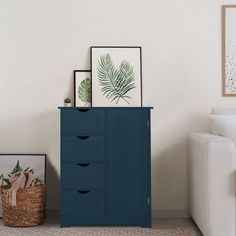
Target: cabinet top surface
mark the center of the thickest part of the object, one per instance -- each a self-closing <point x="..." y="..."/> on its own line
<point x="67" y="108"/>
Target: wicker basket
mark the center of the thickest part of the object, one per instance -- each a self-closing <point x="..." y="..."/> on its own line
<point x="29" y="210"/>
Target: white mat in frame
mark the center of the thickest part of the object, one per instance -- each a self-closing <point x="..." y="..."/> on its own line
<point x="116" y="76"/>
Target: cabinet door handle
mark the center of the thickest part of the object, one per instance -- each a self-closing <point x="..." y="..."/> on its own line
<point x="83" y="191"/>
<point x="83" y="137"/>
<point x="82" y="110"/>
<point x="83" y="164"/>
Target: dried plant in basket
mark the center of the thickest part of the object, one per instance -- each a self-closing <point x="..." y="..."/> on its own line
<point x="23" y="198"/>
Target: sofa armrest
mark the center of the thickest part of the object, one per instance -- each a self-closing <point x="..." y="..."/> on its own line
<point x="212" y="164"/>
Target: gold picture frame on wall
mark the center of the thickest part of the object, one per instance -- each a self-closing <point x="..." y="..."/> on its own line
<point x="229" y="50"/>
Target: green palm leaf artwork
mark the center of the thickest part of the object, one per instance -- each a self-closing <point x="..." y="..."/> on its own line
<point x="116" y="83"/>
<point x="85" y="90"/>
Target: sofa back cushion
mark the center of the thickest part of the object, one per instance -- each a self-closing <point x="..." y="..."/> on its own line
<point x="224" y="125"/>
<point x="223" y="111"/>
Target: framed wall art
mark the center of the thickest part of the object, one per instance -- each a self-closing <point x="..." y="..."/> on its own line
<point x="229" y="50"/>
<point x="116" y="76"/>
<point x="34" y="162"/>
<point x="82" y="88"/>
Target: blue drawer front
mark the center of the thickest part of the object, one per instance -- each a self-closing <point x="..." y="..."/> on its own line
<point x="76" y="121"/>
<point x="77" y="149"/>
<point x="83" y="175"/>
<point x="82" y="202"/>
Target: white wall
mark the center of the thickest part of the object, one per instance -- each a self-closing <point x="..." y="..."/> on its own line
<point x="42" y="42"/>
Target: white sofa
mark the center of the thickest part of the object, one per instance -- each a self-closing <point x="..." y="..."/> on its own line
<point x="212" y="166"/>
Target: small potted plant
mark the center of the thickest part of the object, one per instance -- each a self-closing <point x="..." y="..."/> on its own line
<point x="67" y="102"/>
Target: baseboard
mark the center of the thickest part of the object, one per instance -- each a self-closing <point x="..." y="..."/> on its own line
<point x="52" y="212"/>
<point x="156" y="214"/>
<point x="169" y="213"/>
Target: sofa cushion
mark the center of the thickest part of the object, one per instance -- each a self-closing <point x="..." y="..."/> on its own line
<point x="224" y="125"/>
<point x="223" y="111"/>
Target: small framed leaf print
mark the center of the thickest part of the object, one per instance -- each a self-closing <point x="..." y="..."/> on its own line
<point x="82" y="88"/>
<point x="116" y="76"/>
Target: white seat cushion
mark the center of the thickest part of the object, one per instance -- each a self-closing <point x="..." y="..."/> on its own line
<point x="212" y="164"/>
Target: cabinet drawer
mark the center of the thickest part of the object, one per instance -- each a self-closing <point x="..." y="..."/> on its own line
<point x="81" y="148"/>
<point x="82" y="202"/>
<point x="82" y="175"/>
<point x="83" y="121"/>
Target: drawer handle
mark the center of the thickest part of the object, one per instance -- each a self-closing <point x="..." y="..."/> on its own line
<point x="83" y="110"/>
<point x="83" y="137"/>
<point x="83" y="191"/>
<point x="83" y="164"/>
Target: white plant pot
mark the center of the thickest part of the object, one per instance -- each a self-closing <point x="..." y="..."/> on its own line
<point x="67" y="104"/>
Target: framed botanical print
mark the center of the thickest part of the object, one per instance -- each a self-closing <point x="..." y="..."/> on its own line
<point x="10" y="163"/>
<point x="229" y="50"/>
<point x="116" y="76"/>
<point x="82" y="88"/>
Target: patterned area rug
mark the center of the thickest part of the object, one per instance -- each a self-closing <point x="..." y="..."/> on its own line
<point x="94" y="231"/>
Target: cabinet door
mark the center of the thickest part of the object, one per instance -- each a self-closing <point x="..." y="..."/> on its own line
<point x="128" y="158"/>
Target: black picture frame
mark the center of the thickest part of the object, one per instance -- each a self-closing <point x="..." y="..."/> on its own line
<point x="141" y="70"/>
<point x="75" y="71"/>
<point x="30" y="154"/>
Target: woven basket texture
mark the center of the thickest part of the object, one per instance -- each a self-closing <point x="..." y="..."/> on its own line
<point x="29" y="210"/>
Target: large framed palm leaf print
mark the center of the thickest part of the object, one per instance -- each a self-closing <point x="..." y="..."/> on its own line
<point x="116" y="76"/>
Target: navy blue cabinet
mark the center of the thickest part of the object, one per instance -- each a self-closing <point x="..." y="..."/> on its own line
<point x="105" y="166"/>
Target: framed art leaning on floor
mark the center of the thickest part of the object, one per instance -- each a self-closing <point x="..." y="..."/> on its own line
<point x="35" y="162"/>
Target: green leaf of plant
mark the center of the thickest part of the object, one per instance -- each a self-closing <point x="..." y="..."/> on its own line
<point x="85" y="90"/>
<point x="17" y="168"/>
<point x="7" y="181"/>
<point x="115" y="83"/>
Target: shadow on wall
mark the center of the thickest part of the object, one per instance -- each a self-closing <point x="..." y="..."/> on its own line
<point x="53" y="186"/>
<point x="35" y="132"/>
<point x="47" y="135"/>
<point x="169" y="163"/>
<point x="169" y="177"/>
<point x="70" y="91"/>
